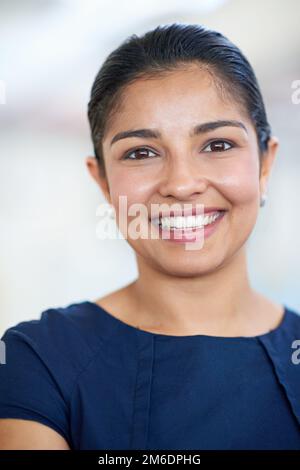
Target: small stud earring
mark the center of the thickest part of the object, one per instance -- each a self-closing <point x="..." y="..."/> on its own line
<point x="263" y="199"/>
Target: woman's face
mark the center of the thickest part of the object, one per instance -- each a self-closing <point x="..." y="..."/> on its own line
<point x="178" y="167"/>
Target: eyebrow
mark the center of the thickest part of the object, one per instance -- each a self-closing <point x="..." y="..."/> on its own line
<point x="199" y="129"/>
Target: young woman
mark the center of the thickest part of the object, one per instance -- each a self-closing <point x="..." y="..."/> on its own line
<point x="189" y="355"/>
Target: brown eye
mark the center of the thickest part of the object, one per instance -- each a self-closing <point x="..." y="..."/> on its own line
<point x="218" y="146"/>
<point x="141" y="153"/>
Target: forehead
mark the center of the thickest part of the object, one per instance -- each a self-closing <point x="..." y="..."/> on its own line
<point x="175" y="101"/>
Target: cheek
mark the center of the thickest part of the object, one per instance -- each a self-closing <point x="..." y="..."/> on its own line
<point x="132" y="184"/>
<point x="241" y="189"/>
<point x="135" y="189"/>
<point x="240" y="185"/>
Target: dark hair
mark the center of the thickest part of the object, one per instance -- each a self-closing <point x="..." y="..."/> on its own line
<point x="163" y="50"/>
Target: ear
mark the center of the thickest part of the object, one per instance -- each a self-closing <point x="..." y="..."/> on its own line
<point x="98" y="175"/>
<point x="267" y="161"/>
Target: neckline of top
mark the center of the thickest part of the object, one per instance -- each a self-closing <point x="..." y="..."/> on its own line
<point x="118" y="321"/>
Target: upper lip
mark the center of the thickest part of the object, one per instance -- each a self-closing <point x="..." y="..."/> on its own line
<point x="184" y="213"/>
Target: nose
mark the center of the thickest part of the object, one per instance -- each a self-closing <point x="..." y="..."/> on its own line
<point x="182" y="179"/>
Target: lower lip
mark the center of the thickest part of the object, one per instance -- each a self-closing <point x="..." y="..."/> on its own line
<point x="185" y="234"/>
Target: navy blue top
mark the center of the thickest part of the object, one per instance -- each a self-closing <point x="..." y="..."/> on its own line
<point x="104" y="384"/>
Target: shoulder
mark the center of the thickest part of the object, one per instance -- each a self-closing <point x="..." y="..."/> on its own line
<point x="283" y="348"/>
<point x="281" y="340"/>
<point x="292" y="321"/>
<point x="64" y="338"/>
<point x="44" y="359"/>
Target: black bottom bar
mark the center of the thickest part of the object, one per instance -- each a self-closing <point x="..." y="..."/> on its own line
<point x="135" y="458"/>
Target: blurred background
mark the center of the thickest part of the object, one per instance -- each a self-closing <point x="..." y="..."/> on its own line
<point x="50" y="53"/>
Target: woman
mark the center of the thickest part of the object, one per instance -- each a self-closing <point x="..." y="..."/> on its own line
<point x="189" y="355"/>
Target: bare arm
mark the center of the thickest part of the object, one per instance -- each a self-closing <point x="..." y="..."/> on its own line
<point x="21" y="434"/>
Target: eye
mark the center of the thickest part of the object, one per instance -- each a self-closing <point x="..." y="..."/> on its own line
<point x="141" y="151"/>
<point x="218" y="146"/>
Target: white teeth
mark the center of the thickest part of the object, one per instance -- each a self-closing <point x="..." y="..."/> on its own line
<point x="190" y="221"/>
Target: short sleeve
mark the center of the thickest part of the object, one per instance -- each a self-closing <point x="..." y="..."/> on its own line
<point x="28" y="388"/>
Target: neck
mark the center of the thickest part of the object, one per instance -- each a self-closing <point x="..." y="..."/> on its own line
<point x="218" y="303"/>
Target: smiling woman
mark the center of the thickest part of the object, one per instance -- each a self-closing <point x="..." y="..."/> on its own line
<point x="188" y="355"/>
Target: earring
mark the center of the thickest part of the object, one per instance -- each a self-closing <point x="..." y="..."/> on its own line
<point x="263" y="199"/>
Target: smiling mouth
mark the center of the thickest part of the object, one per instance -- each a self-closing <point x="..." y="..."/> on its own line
<point x="187" y="223"/>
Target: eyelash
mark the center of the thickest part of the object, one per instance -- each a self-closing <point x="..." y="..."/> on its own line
<point x="127" y="154"/>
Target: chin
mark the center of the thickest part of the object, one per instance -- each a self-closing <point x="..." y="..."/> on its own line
<point x="188" y="265"/>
